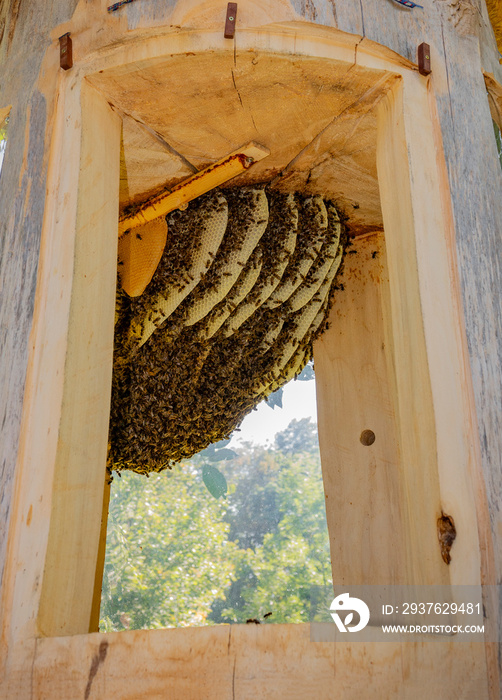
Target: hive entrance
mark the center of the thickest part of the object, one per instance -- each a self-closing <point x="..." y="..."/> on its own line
<point x="241" y="292"/>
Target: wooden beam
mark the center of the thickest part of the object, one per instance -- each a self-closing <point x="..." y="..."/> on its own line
<point x="214" y="175"/>
<point x="365" y="505"/>
<point x="407" y="350"/>
<point x="251" y="661"/>
<point x="395" y="358"/>
<point x="100" y="566"/>
<point x="77" y="499"/>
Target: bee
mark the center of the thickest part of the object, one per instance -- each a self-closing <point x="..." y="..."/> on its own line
<point x="220" y="380"/>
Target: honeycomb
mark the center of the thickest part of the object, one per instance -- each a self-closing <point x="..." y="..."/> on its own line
<point x="242" y="290"/>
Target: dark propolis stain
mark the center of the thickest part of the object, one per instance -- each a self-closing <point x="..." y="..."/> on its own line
<point x="97" y="660"/>
<point x="446" y="535"/>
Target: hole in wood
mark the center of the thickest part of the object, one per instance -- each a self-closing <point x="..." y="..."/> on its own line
<point x="367" y="438"/>
<point x="446" y="535"/>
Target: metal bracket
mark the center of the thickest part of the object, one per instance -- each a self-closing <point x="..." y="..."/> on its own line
<point x="230" y="20"/>
<point x="424" y="59"/>
<point x="65" y="51"/>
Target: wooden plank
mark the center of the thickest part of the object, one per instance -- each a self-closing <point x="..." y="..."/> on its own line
<point x="77" y="496"/>
<point x="435" y="411"/>
<point x="247" y="661"/>
<point x="392" y="359"/>
<point x="23" y="44"/>
<point x="43" y="390"/>
<point x="365" y="505"/>
<point x="214" y="175"/>
<point x="413" y="400"/>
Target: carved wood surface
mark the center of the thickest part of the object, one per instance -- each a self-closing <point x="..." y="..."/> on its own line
<point x="462" y="46"/>
<point x="25" y="36"/>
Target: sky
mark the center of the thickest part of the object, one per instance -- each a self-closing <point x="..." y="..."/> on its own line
<point x="261" y="425"/>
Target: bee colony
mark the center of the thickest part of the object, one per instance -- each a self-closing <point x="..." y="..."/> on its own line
<point x="242" y="290"/>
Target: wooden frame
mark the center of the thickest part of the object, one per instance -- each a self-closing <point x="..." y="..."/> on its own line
<point x="401" y="364"/>
<point x="418" y="370"/>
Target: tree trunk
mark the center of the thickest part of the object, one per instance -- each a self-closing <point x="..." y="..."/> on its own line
<point x="411" y="160"/>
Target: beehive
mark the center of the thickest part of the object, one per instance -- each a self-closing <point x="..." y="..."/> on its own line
<point x="241" y="291"/>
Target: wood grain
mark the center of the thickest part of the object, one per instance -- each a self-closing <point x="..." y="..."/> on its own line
<point x="314" y="116"/>
<point x="249" y="661"/>
<point x="77" y="495"/>
<point x="383" y="37"/>
<point x="365" y="503"/>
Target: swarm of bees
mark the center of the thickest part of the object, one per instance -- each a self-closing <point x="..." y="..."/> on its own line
<point x="242" y="290"/>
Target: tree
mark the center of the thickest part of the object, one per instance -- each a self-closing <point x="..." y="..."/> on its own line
<point x="168" y="555"/>
<point x="177" y="556"/>
<point x="277" y="574"/>
<point x="299" y="436"/>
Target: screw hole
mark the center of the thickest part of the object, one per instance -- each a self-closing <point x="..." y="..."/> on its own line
<point x="367" y="438"/>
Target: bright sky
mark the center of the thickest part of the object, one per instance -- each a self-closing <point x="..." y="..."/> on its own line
<point x="260" y="426"/>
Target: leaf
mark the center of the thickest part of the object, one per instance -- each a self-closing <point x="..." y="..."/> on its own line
<point x="348" y="619"/>
<point x="214" y="481"/>
<point x="221" y="443"/>
<point x="220" y="455"/>
<point x="306" y="374"/>
<point x="275" y="399"/>
<point x="211" y="451"/>
<point x="208" y="451"/>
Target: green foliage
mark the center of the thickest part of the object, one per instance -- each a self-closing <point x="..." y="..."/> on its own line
<point x="214" y="480"/>
<point x="177" y="556"/>
<point x="299" y="436"/>
<point x="307" y="373"/>
<point x="275" y="399"/>
<point x="253" y="510"/>
<point x="276" y="575"/>
<point x="212" y="477"/>
<point x="168" y="555"/>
